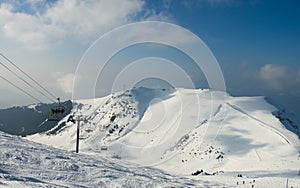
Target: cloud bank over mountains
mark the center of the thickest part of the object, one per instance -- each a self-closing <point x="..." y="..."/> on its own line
<point x="43" y="24"/>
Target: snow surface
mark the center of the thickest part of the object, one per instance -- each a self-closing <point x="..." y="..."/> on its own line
<point x="28" y="164"/>
<point x="181" y="131"/>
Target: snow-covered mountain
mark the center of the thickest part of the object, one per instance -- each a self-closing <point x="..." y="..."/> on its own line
<point x="179" y="131"/>
<point x="30" y="119"/>
<point x="182" y="131"/>
<point x="187" y="138"/>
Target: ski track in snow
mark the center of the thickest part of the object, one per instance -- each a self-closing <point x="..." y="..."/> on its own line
<point x="264" y="124"/>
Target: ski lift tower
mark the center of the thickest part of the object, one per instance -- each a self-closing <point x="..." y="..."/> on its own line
<point x="77" y="117"/>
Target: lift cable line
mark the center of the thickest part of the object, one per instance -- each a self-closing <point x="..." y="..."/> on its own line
<point x="21" y="89"/>
<point x="37" y="83"/>
<point x="37" y="90"/>
<point x="60" y="109"/>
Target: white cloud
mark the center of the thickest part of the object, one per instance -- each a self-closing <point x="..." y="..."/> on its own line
<point x="83" y="20"/>
<point x="26" y="28"/>
<point x="89" y="18"/>
<point x="278" y="77"/>
<point x="65" y="82"/>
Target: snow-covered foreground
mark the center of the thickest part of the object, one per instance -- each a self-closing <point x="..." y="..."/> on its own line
<point x="28" y="164"/>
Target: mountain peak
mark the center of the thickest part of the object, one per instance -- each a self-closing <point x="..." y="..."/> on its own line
<point x="180" y="129"/>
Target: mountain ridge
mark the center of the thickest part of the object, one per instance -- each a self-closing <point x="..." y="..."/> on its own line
<point x="181" y="129"/>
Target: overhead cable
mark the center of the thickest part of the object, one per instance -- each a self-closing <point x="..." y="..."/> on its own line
<point x="37" y="83"/>
<point x="21" y="89"/>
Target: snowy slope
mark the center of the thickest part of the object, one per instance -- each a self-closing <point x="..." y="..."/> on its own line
<point x="28" y="164"/>
<point x="182" y="131"/>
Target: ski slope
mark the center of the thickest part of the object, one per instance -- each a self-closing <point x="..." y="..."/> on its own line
<point x="181" y="131"/>
<point x="28" y="164"/>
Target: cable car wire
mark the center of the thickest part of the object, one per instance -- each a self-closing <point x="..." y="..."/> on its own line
<point x="21" y="89"/>
<point x="28" y="76"/>
<point x="26" y="81"/>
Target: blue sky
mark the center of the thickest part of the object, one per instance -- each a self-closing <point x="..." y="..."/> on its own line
<point x="256" y="42"/>
<point x="245" y="36"/>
